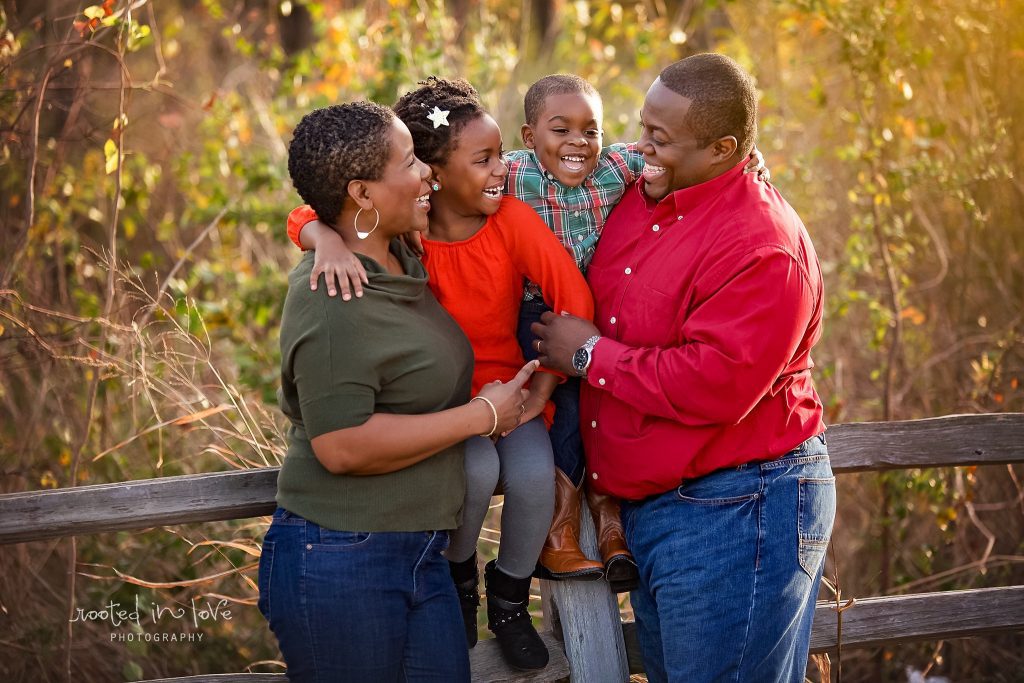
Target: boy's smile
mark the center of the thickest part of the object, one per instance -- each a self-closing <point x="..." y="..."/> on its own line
<point x="567" y="136"/>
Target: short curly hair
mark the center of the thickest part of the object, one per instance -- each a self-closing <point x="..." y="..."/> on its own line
<point x="555" y="84"/>
<point x="723" y="98"/>
<point x="434" y="145"/>
<point x="335" y="145"/>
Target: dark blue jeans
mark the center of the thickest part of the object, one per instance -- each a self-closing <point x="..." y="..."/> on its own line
<point x="729" y="569"/>
<point x="566" y="442"/>
<point x="360" y="606"/>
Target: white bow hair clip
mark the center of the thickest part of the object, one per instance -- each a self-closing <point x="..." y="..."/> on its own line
<point x="439" y="118"/>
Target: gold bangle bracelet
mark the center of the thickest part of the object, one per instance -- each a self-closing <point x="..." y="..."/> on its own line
<point x="494" y="412"/>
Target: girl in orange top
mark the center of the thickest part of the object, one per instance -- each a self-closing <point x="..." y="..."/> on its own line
<point x="480" y="245"/>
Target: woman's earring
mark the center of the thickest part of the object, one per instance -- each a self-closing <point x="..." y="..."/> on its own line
<point x="435" y="186"/>
<point x="355" y="224"/>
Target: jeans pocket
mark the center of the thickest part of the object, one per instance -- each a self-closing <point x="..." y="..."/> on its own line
<point x="817" y="510"/>
<point x="266" y="569"/>
<point x="724" y="487"/>
<point x="332" y="540"/>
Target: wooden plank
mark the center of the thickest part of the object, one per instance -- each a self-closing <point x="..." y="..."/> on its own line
<point x="485" y="662"/>
<point x="588" y="614"/>
<point x="140" y="504"/>
<point x="934" y="442"/>
<point x="873" y="622"/>
<point x="991" y="439"/>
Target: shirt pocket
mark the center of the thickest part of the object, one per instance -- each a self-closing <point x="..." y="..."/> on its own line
<point x="652" y="321"/>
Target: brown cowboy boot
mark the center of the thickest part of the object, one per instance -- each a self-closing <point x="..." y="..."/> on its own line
<point x="561" y="557"/>
<point x="619" y="566"/>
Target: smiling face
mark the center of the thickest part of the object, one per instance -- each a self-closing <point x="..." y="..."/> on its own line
<point x="473" y="177"/>
<point x="402" y="194"/>
<point x="674" y="158"/>
<point x="567" y="136"/>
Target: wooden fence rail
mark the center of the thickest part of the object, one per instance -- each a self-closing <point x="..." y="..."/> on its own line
<point x="598" y="645"/>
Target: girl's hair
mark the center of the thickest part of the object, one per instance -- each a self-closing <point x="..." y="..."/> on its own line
<point x="335" y="145"/>
<point x="434" y="144"/>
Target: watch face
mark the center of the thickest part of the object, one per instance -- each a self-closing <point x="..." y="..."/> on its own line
<point x="579" y="359"/>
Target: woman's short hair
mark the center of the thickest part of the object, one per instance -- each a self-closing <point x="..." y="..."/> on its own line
<point x="435" y="143"/>
<point x="335" y="145"/>
<point x="723" y="99"/>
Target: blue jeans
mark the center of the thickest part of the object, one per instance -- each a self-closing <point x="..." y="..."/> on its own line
<point x="566" y="442"/>
<point x="361" y="606"/>
<point x="729" y="569"/>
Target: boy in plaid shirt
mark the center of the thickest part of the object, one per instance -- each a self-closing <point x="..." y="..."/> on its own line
<point x="573" y="184"/>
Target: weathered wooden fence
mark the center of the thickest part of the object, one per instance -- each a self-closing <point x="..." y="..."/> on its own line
<point x="592" y="644"/>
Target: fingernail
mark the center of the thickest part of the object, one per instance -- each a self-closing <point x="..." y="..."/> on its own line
<point x="359" y="295"/>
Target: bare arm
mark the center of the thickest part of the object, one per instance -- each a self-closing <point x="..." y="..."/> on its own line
<point x="387" y="443"/>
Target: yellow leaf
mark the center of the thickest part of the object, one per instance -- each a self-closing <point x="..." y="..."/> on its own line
<point x="112" y="154"/>
<point x="1" y="330"/>
<point x="94" y="12"/>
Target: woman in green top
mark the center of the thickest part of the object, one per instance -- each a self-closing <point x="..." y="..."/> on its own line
<point x="351" y="579"/>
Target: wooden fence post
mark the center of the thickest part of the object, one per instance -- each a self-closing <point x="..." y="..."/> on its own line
<point x="589" y="616"/>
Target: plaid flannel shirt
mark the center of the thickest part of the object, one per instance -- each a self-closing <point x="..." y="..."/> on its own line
<point x="576" y="215"/>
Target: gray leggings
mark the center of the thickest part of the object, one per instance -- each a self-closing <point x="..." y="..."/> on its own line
<point x="523" y="465"/>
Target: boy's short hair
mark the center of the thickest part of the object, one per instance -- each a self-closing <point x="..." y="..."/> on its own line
<point x="723" y="98"/>
<point x="555" y="84"/>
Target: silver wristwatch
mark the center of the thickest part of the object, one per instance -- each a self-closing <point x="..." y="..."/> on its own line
<point x="581" y="359"/>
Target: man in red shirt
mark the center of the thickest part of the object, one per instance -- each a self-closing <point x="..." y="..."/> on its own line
<point x="697" y="406"/>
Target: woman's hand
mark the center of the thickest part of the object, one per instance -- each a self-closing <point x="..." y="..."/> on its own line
<point x="756" y="165"/>
<point x="509" y="400"/>
<point x="338" y="263"/>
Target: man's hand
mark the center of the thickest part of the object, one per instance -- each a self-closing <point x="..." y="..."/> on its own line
<point x="558" y="338"/>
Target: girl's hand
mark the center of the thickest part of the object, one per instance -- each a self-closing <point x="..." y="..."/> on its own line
<point x="756" y="165"/>
<point x="535" y="404"/>
<point x="339" y="265"/>
<point x="509" y="400"/>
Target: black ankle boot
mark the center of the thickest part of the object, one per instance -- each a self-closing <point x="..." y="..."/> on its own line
<point x="509" y="620"/>
<point x="467" y="578"/>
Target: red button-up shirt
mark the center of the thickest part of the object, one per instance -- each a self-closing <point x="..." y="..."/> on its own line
<point x="709" y="302"/>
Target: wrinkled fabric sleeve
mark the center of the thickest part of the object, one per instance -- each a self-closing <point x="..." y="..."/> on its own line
<point x="735" y="344"/>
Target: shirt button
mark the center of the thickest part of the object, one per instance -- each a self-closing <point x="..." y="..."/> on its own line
<point x="679" y="218"/>
<point x="594" y="475"/>
<point x="577" y="214"/>
<point x="593" y="424"/>
<point x="628" y="271"/>
<point x="601" y="381"/>
<point x="656" y="228"/>
<point x="579" y="238"/>
<point x="612" y="320"/>
<point x="309" y="546"/>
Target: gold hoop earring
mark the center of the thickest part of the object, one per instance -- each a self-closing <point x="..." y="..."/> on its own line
<point x="355" y="224"/>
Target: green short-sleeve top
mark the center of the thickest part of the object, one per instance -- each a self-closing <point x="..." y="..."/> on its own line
<point x="394" y="350"/>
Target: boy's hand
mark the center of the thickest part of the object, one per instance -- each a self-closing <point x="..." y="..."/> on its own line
<point x="340" y="266"/>
<point x="756" y="165"/>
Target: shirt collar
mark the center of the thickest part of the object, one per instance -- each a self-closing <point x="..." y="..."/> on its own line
<point x="689" y="198"/>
